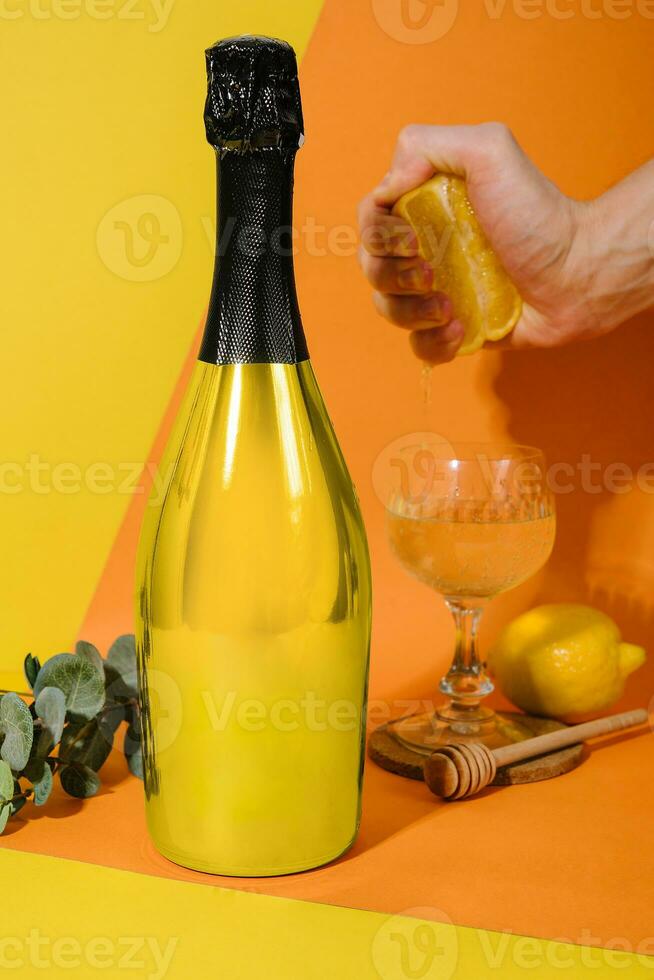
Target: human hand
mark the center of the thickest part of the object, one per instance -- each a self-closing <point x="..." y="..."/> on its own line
<point x="541" y="236"/>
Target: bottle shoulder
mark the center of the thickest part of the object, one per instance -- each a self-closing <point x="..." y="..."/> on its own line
<point x="258" y="520"/>
<point x="262" y="425"/>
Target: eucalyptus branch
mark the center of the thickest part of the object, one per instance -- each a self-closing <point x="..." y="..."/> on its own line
<point x="78" y="701"/>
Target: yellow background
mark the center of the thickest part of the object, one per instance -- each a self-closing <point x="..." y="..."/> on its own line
<point x="101" y="123"/>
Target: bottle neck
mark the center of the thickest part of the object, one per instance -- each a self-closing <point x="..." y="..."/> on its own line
<point x="253" y="314"/>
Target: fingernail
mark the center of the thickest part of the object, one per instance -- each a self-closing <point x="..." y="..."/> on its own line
<point x="417" y="279"/>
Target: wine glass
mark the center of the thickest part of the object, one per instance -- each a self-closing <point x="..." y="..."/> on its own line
<point x="469" y="520"/>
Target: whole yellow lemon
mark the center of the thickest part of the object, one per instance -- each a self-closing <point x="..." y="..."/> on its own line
<point x="563" y="661"/>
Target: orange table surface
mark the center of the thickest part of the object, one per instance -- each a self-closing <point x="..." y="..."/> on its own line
<point x="567" y="859"/>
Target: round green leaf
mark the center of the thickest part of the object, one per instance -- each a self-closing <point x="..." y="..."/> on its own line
<point x="79" y="781"/>
<point x="111" y="719"/>
<point x="89" y="652"/>
<point x="135" y="763"/>
<point x="122" y="653"/>
<point x="51" y="709"/>
<point x="6" y="793"/>
<point x="120" y="668"/>
<point x="43" y="787"/>
<point x="88" y="744"/>
<point x="18" y="728"/>
<point x="81" y="681"/>
<point x="31" y="666"/>
<point x="132" y="746"/>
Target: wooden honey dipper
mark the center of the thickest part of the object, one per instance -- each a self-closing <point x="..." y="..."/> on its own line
<point x="459" y="770"/>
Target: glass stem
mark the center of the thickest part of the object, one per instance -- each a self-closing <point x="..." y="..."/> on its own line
<point x="466" y="682"/>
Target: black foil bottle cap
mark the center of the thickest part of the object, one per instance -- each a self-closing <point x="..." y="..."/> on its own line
<point x="253" y="95"/>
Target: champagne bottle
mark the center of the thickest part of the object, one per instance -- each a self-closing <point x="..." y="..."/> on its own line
<point x="253" y="595"/>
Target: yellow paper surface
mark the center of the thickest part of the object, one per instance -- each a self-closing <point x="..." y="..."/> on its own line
<point x="89" y="919"/>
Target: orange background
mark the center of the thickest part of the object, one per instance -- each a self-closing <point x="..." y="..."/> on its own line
<point x="577" y="94"/>
<point x="568" y="858"/>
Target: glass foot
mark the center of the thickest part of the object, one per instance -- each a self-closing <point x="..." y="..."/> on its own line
<point x="425" y="732"/>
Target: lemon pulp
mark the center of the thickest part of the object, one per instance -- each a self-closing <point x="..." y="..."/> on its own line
<point x="465" y="266"/>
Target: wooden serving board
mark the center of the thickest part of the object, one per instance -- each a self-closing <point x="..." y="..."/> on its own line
<point x="387" y="752"/>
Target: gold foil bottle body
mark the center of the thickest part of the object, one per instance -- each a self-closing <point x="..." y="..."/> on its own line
<point x="253" y="629"/>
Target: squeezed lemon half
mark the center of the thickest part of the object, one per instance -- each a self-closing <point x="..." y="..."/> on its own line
<point x="465" y="267"/>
